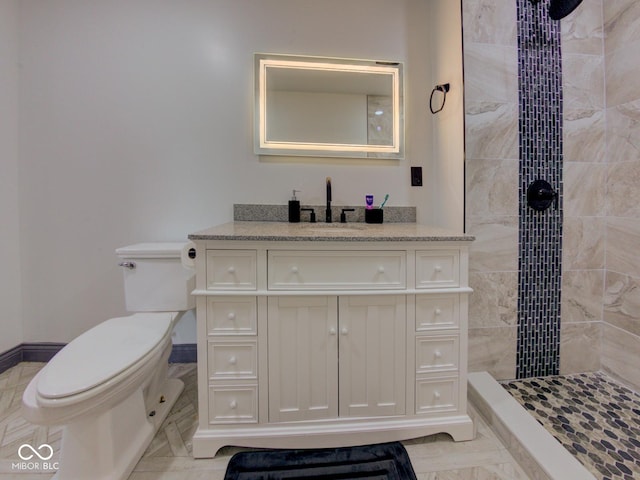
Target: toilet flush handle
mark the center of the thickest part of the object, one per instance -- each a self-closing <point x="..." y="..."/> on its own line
<point x="129" y="265"/>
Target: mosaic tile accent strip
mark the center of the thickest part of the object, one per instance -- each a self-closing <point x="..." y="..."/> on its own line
<point x="591" y="415"/>
<point x="540" y="242"/>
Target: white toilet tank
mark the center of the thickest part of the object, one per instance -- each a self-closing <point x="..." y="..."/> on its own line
<point x="155" y="279"/>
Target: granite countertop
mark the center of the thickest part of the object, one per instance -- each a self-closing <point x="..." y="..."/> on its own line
<point x="327" y="232"/>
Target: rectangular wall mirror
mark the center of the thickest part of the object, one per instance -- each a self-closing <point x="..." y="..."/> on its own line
<point x="328" y="107"/>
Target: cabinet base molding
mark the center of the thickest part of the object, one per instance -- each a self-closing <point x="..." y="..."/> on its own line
<point x="347" y="433"/>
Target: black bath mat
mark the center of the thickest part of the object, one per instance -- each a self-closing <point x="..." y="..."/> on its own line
<point x="386" y="461"/>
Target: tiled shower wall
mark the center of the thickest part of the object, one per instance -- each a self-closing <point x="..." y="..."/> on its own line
<point x="492" y="172"/>
<point x="621" y="329"/>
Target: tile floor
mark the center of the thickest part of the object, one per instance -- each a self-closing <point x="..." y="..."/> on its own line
<point x="593" y="416"/>
<point x="169" y="456"/>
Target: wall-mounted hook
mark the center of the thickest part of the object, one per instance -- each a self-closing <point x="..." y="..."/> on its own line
<point x="444" y="88"/>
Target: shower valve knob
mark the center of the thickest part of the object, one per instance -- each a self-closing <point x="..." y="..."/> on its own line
<point x="540" y="195"/>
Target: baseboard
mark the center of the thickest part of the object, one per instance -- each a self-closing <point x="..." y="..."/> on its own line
<point x="10" y="358"/>
<point x="184" y="353"/>
<point x="40" y="352"/>
<point x="44" y="351"/>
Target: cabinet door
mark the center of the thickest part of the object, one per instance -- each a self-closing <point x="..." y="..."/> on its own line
<point x="303" y="358"/>
<point x="372" y="355"/>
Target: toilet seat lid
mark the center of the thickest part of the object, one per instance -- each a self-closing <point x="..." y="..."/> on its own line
<point x="103" y="352"/>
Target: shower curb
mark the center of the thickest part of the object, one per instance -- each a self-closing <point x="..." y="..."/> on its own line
<point x="537" y="452"/>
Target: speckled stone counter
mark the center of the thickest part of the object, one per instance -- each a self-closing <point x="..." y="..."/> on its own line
<point x="349" y="232"/>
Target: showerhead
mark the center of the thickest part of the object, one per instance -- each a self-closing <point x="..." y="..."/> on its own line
<point x="558" y="9"/>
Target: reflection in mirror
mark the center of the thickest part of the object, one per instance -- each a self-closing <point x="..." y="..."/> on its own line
<point x="328" y="107"/>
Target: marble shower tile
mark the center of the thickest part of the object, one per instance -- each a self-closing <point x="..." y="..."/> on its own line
<point x="496" y="244"/>
<point x="584" y="189"/>
<point x="583" y="243"/>
<point x="582" y="296"/>
<point x="583" y="82"/>
<point x="622" y="72"/>
<point x="584" y="134"/>
<point x="491" y="73"/>
<point x="491" y="130"/>
<point x="623" y="132"/>
<point x="621" y="354"/>
<point x="621" y="23"/>
<point x="623" y="194"/>
<point x="490" y="22"/>
<point x="583" y="32"/>
<point x="580" y="345"/>
<point x="494" y="302"/>
<point x="623" y="238"/>
<point x="493" y="350"/>
<point x="622" y="302"/>
<point x="492" y="187"/>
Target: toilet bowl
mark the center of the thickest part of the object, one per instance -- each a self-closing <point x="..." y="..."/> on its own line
<point x="109" y="386"/>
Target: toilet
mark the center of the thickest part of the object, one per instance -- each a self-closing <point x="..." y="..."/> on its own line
<point x="108" y="387"/>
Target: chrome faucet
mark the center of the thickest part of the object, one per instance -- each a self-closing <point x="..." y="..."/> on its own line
<point x="328" y="211"/>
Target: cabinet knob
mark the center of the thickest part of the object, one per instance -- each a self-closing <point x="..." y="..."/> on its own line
<point x="233" y="404"/>
<point x="231" y="269"/>
<point x="344" y="331"/>
<point x="437" y="311"/>
<point x="233" y="360"/>
<point x="436" y="395"/>
<point x="438" y="268"/>
<point x="231" y="316"/>
<point x="332" y="331"/>
<point x="437" y="354"/>
<point x="294" y="269"/>
<point x="380" y="269"/>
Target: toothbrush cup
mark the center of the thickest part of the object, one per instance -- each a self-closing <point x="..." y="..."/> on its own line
<point x="373" y="215"/>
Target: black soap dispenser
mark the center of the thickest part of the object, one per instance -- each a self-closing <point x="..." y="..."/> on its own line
<point x="294" y="208"/>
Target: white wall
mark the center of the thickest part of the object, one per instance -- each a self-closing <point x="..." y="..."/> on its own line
<point x="136" y="125"/>
<point x="446" y="167"/>
<point x="10" y="301"/>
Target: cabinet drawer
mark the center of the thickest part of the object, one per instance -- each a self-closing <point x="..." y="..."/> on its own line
<point x="437" y="312"/>
<point x="233" y="360"/>
<point x="346" y="270"/>
<point x="231" y="269"/>
<point x="231" y="315"/>
<point x="437" y="269"/>
<point x="233" y="404"/>
<point x="437" y="353"/>
<point x="436" y="395"/>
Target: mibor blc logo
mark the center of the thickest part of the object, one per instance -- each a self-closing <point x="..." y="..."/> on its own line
<point x="35" y="458"/>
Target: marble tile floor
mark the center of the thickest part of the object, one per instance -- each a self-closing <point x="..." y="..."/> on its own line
<point x="594" y="417"/>
<point x="169" y="456"/>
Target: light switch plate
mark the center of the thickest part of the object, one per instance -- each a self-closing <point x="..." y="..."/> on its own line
<point x="416" y="176"/>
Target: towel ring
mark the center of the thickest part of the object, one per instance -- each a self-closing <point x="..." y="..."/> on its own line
<point x="444" y="88"/>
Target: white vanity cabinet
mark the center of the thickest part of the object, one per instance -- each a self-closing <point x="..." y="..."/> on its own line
<point x="333" y="357"/>
<point x="310" y="343"/>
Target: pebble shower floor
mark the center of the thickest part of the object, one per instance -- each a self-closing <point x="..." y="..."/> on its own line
<point x="591" y="415"/>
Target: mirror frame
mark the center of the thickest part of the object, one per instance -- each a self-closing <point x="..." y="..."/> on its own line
<point x="264" y="146"/>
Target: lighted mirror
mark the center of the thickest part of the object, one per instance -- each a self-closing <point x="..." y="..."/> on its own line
<point x="328" y="107"/>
